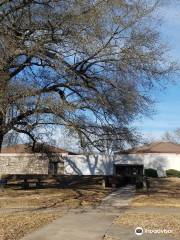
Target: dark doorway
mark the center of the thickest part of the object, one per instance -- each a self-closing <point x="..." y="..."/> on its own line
<point x="129" y="172"/>
<point x="53" y="168"/>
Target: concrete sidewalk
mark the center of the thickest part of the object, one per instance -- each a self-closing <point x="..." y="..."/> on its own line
<point x="120" y="198"/>
<point x="86" y="225"/>
<point x="80" y="226"/>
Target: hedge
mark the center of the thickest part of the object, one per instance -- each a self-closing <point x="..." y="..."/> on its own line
<point x="150" y="172"/>
<point x="172" y="173"/>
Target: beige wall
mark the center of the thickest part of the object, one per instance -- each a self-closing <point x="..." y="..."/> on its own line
<point x="103" y="165"/>
<point x="159" y="161"/>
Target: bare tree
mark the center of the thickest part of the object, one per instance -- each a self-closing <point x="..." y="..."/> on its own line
<point x="172" y="136"/>
<point x="85" y="65"/>
<point x="13" y="138"/>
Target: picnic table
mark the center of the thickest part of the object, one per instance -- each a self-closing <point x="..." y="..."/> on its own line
<point x="32" y="181"/>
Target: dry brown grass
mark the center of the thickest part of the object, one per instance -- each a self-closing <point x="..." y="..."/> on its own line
<point x="52" y="198"/>
<point x="163" y="193"/>
<point x="14" y="226"/>
<point x="151" y="221"/>
<point x="88" y="192"/>
<point x="44" y="199"/>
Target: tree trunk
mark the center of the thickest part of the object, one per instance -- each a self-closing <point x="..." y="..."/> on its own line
<point x="1" y="140"/>
<point x="4" y="78"/>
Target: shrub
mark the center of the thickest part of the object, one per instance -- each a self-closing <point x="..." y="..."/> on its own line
<point x="172" y="173"/>
<point x="3" y="176"/>
<point x="150" y="172"/>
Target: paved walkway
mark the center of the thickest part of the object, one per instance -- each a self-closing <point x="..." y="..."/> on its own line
<point x="120" y="198"/>
<point x="87" y="225"/>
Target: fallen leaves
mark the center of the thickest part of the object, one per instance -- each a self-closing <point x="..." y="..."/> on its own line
<point x="150" y="221"/>
<point x="164" y="192"/>
<point x="15" y="225"/>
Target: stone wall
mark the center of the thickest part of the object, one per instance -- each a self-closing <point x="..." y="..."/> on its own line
<point x="23" y="164"/>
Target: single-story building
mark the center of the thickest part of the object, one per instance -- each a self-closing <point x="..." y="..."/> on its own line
<point x="160" y="156"/>
<point x="22" y="159"/>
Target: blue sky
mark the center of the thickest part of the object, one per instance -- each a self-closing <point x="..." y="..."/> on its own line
<point x="167" y="107"/>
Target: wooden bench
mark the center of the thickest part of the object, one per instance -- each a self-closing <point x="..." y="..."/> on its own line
<point x="37" y="182"/>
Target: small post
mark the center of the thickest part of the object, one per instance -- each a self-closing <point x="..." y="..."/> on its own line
<point x="26" y="184"/>
<point x="3" y="182"/>
<point x="103" y="184"/>
<point x="1" y="186"/>
<point x="147" y="185"/>
<point x="38" y="183"/>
